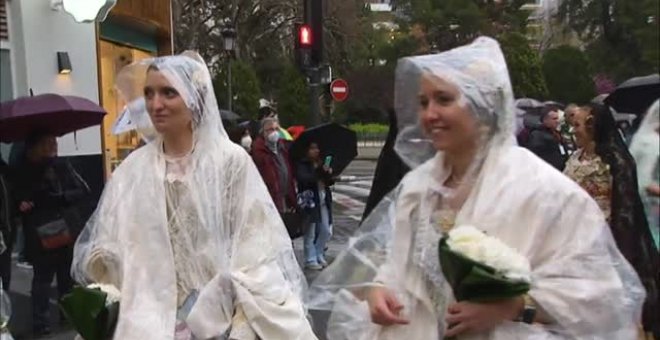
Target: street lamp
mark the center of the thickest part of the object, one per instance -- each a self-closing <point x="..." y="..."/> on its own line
<point x="229" y="37"/>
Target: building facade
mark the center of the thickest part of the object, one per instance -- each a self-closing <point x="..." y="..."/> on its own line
<point x="32" y="32"/>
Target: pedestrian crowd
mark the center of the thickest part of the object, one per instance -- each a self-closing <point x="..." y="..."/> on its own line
<point x="195" y="227"/>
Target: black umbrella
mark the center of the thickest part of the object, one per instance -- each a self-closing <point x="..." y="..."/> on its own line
<point x="333" y="140"/>
<point x="554" y="104"/>
<point x="528" y="103"/>
<point x="635" y="95"/>
<point x="229" y="115"/>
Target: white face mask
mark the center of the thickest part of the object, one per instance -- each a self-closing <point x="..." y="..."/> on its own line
<point x="246" y="142"/>
<point x="273" y="137"/>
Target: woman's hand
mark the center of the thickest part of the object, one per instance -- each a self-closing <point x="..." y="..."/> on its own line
<point x="384" y="307"/>
<point x="327" y="169"/>
<point x="468" y="317"/>
<point x="182" y="331"/>
<point x="653" y="190"/>
<point x="25" y="206"/>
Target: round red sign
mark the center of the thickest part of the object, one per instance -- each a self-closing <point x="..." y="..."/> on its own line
<point x="339" y="90"/>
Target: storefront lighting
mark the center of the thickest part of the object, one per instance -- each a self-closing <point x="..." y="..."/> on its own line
<point x="63" y="63"/>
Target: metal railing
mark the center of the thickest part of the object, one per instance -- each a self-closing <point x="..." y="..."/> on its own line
<point x="366" y="139"/>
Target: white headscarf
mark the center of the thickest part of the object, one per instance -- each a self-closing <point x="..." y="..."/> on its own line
<point x="645" y="148"/>
<point x="240" y="252"/>
<point x="479" y="71"/>
<point x="578" y="274"/>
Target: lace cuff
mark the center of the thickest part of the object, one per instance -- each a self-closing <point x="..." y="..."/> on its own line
<point x="240" y="328"/>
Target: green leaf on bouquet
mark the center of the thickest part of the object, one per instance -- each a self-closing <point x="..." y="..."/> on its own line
<point x="474" y="281"/>
<point x="86" y="310"/>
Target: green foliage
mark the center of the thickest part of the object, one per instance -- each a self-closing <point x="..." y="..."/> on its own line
<point x="524" y="67"/>
<point x="245" y="89"/>
<point x="568" y="75"/>
<point x="371" y="94"/>
<point x="621" y="36"/>
<point x="450" y="23"/>
<point x="292" y="97"/>
<point x="369" y="128"/>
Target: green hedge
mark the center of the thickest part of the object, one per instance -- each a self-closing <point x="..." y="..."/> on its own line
<point x="370" y="128"/>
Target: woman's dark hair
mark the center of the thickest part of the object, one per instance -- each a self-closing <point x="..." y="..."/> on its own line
<point x="546" y="111"/>
<point x="264" y="112"/>
<point x="628" y="221"/>
<point x="34" y="139"/>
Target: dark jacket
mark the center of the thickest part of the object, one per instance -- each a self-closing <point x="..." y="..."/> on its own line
<point x="57" y="192"/>
<point x="266" y="162"/>
<point x="548" y="146"/>
<point x="7" y="205"/>
<point x="390" y="169"/>
<point x="308" y="178"/>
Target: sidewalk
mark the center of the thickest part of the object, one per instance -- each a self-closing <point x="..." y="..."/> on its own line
<point x="345" y="224"/>
<point x="369" y="152"/>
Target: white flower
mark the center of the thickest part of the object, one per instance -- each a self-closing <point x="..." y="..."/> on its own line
<point x="113" y="294"/>
<point x="490" y="251"/>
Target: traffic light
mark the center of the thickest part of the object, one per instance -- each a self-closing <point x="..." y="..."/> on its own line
<point x="304" y="40"/>
<point x="305" y="36"/>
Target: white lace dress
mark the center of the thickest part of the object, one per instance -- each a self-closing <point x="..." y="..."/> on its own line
<point x="183" y="223"/>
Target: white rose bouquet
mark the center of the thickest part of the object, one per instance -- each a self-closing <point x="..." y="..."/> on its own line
<point x="92" y="310"/>
<point x="482" y="268"/>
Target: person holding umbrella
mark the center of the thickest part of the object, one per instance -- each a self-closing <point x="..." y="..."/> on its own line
<point x="7" y="227"/>
<point x="314" y="177"/>
<point x="50" y="196"/>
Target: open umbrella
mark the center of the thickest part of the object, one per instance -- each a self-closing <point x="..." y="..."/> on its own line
<point x="528" y="103"/>
<point x="635" y="95"/>
<point x="47" y="113"/>
<point x="333" y="140"/>
<point x="600" y="99"/>
<point x="554" y="104"/>
<point x="229" y="115"/>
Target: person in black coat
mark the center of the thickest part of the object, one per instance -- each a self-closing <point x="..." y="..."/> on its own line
<point x="7" y="228"/>
<point x="390" y="169"/>
<point x="49" y="193"/>
<point x="314" y="179"/>
<point x="546" y="142"/>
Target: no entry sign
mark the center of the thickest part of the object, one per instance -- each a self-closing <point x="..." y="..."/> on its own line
<point x="339" y="90"/>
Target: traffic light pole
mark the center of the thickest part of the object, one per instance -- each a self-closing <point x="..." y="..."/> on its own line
<point x="314" y="85"/>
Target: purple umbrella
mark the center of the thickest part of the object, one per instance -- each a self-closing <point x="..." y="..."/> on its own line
<point x="47" y="113"/>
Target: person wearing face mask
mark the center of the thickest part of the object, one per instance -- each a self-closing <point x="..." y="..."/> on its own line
<point x="246" y="141"/>
<point x="50" y="196"/>
<point x="271" y="156"/>
<point x="546" y="141"/>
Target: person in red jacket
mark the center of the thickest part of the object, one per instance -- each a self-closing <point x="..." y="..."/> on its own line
<point x="271" y="156"/>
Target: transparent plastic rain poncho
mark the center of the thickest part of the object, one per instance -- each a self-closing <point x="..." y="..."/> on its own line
<point x="645" y="148"/>
<point x="233" y="248"/>
<point x="579" y="277"/>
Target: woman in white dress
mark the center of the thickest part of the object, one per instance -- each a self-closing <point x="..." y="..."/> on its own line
<point x="645" y="148"/>
<point x="456" y="117"/>
<point x="185" y="227"/>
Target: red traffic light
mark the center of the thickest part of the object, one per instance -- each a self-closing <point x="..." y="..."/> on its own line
<point x="305" y="36"/>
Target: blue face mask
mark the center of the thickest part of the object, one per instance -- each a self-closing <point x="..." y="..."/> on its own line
<point x="274" y="137"/>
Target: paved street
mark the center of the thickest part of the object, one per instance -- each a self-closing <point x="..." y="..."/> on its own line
<point x="350" y="195"/>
